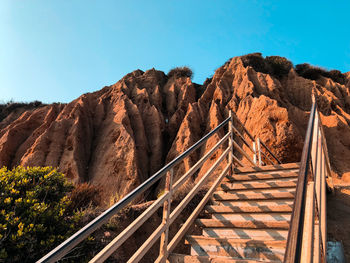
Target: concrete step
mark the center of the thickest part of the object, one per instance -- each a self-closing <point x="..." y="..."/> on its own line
<point x="180" y="258"/>
<point x="241" y="233"/>
<point x="251" y="224"/>
<point x="236" y="248"/>
<point x="268" y="184"/>
<point x="256" y="169"/>
<point x="253" y="216"/>
<point x="221" y="209"/>
<point x="253" y="203"/>
<point x="266" y="194"/>
<point x="261" y="176"/>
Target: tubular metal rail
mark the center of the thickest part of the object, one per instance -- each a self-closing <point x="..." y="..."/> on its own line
<point x="169" y="215"/>
<point x="308" y="232"/>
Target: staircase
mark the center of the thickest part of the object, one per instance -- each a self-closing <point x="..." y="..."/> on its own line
<point x="256" y="212"/>
<point x="250" y="216"/>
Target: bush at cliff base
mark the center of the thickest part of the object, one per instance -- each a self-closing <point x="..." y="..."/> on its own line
<point x="33" y="212"/>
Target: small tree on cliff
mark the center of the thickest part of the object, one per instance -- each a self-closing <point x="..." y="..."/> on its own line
<point x="179" y="72"/>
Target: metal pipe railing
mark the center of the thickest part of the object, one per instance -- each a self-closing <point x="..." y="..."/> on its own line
<point x="307" y="233"/>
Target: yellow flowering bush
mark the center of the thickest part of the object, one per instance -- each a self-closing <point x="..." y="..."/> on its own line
<point x="33" y="212"/>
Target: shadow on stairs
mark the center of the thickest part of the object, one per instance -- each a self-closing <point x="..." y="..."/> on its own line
<point x="250" y="216"/>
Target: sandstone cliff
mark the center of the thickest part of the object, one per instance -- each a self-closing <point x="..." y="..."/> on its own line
<point x="117" y="137"/>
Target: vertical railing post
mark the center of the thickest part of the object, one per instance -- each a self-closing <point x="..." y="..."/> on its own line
<point x="230" y="142"/>
<point x="163" y="252"/>
<point x="259" y="151"/>
<point x="254" y="155"/>
<point x="323" y="217"/>
<point x="314" y="150"/>
<point x="308" y="234"/>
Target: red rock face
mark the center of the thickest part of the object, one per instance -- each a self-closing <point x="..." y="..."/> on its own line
<point x="119" y="136"/>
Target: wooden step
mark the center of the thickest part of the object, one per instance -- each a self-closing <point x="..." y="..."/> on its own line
<point x="236" y="248"/>
<point x="222" y="209"/>
<point x="257" y="169"/>
<point x="253" y="203"/>
<point x="260" y="176"/>
<point x="255" y="195"/>
<point x="180" y="258"/>
<point x="241" y="233"/>
<point x="251" y="224"/>
<point x="253" y="216"/>
<point x="259" y="190"/>
<point x="268" y="180"/>
<point x="268" y="184"/>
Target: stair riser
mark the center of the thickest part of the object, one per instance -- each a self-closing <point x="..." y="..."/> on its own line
<point x="220" y="209"/>
<point x="176" y="258"/>
<point x="257" y="191"/>
<point x="213" y="223"/>
<point x="253" y="177"/>
<point x="248" y="186"/>
<point x="254" y="196"/>
<point x="249" y="217"/>
<point x="281" y="167"/>
<point x="238" y="252"/>
<point x="253" y="203"/>
<point x="257" y="234"/>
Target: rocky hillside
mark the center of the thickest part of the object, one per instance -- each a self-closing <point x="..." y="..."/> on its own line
<point x="119" y="136"/>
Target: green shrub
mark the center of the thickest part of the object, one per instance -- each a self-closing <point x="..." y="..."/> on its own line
<point x="179" y="72"/>
<point x="33" y="212"/>
<point x="279" y="66"/>
<point x="336" y="76"/>
<point x="274" y="65"/>
<point x="311" y="72"/>
<point x="10" y="106"/>
<point x="256" y="61"/>
<point x="307" y="71"/>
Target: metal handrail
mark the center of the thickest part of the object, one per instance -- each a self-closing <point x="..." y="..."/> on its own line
<point x="306" y="240"/>
<point x="165" y="200"/>
<point x="269" y="151"/>
<point x="297" y="219"/>
<point x="64" y="248"/>
<point x="254" y="139"/>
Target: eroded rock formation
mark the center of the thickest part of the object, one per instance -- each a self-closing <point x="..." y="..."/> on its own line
<point x="117" y="137"/>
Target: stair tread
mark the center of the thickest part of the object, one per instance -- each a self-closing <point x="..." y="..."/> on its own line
<point x="264" y="190"/>
<point x="270" y="184"/>
<point x="253" y="196"/>
<point x="232" y="203"/>
<point x="256" y="224"/>
<point x="237" y="248"/>
<point x="248" y="209"/>
<point x="246" y="233"/>
<point x="220" y="240"/>
<point x="257" y="169"/>
<point x="180" y="258"/>
<point x="253" y="216"/>
<point x="260" y="176"/>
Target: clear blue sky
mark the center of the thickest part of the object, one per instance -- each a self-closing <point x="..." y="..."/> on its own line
<point x="57" y="50"/>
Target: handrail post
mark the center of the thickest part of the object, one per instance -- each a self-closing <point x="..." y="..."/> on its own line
<point x="163" y="252"/>
<point x="259" y="151"/>
<point x="230" y="130"/>
<point x="254" y="155"/>
<point x="308" y="234"/>
<point x="323" y="217"/>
